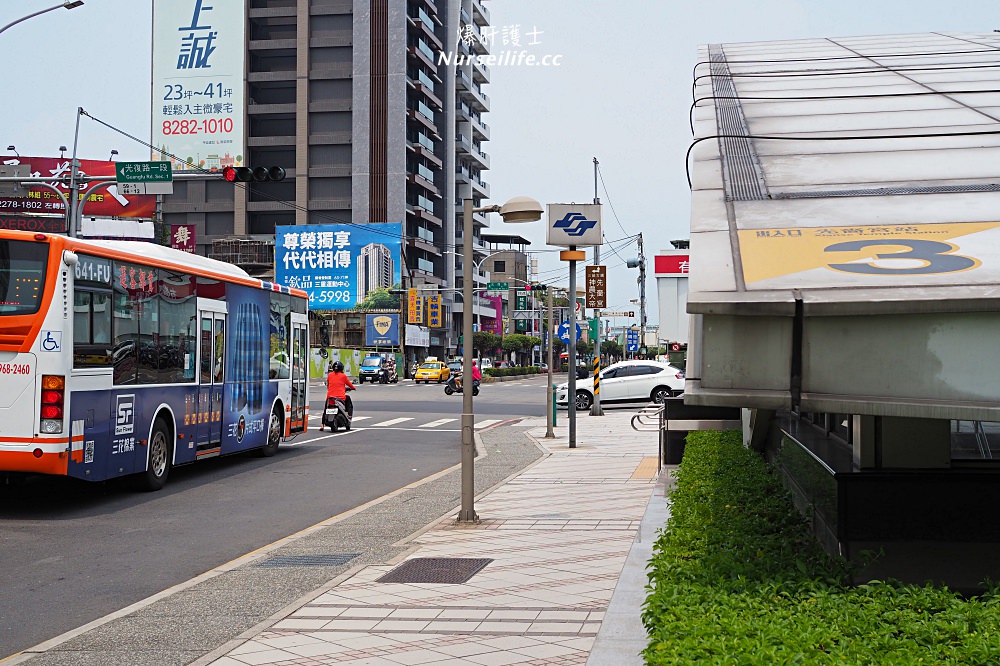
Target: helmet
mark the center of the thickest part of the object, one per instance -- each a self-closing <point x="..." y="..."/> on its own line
<point x="337" y="366"/>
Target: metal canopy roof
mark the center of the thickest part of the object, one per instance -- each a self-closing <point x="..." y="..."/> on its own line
<point x="840" y="166"/>
<point x="845" y="225"/>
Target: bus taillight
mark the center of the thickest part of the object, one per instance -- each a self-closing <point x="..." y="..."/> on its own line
<point x="53" y="396"/>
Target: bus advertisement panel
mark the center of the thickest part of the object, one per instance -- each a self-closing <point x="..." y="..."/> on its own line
<point x="166" y="358"/>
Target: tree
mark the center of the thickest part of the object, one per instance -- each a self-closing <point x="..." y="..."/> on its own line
<point x="516" y="343"/>
<point x="485" y="342"/>
<point x="612" y="350"/>
<point x="379" y="299"/>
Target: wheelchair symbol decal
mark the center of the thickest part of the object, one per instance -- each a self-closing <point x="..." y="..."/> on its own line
<point x="51" y="341"/>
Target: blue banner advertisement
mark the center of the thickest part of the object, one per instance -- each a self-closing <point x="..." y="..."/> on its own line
<point x="382" y="330"/>
<point x="337" y="264"/>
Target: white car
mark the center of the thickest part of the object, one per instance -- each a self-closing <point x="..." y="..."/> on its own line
<point x="627" y="381"/>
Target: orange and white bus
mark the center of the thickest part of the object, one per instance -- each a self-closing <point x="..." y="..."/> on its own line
<point x="127" y="358"/>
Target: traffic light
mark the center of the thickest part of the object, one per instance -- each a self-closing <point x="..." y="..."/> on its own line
<point x="257" y="174"/>
<point x="536" y="288"/>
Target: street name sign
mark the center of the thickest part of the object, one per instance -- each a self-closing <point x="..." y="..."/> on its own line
<point x="144" y="177"/>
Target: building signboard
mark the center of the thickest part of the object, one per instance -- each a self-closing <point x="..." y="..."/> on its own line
<point x="434" y="318"/>
<point x="182" y="237"/>
<point x="337" y="264"/>
<point x="102" y="201"/>
<point x="382" y="330"/>
<point x="414" y="307"/>
<point x="198" y="101"/>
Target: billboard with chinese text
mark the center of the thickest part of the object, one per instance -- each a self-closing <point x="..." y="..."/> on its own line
<point x="337" y="264"/>
<point x="182" y="237"/>
<point x="198" y="99"/>
<point x="100" y="201"/>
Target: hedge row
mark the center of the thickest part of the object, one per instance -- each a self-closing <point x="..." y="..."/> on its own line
<point x="736" y="578"/>
<point x="507" y="372"/>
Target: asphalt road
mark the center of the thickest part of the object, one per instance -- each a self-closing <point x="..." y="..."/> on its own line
<point x="74" y="552"/>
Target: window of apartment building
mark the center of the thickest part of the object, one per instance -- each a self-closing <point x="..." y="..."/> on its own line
<point x="499" y="267"/>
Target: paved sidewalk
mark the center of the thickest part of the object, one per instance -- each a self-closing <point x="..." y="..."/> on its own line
<point x="557" y="537"/>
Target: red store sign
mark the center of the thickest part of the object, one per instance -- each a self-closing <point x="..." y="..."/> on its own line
<point x="101" y="200"/>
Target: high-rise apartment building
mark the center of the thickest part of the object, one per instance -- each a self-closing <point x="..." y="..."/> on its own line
<point x="375" y="109"/>
<point x="375" y="269"/>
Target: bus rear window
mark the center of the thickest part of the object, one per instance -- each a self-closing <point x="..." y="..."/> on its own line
<point x="22" y="276"/>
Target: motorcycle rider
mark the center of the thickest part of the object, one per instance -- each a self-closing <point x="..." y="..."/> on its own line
<point x="337" y="384"/>
<point x="477" y="374"/>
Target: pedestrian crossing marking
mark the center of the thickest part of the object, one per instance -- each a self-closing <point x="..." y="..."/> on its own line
<point x="392" y="421"/>
<point x="434" y="424"/>
<point x="487" y="422"/>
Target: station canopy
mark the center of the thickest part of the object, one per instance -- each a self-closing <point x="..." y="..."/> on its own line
<point x="845" y="226"/>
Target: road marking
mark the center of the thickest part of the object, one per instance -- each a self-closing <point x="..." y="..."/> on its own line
<point x="487" y="422"/>
<point x="359" y="418"/>
<point x="434" y="424"/>
<point x="392" y="422"/>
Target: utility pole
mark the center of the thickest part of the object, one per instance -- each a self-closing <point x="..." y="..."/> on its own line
<point x="595" y="409"/>
<point x="642" y="296"/>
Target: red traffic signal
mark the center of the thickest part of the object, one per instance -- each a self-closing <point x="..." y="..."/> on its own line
<point x="257" y="174"/>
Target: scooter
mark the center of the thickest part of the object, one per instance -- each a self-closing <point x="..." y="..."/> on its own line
<point x="454" y="385"/>
<point x="336" y="415"/>
<point x="387" y="375"/>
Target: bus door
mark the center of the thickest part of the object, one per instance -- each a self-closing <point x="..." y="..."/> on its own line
<point x="211" y="375"/>
<point x="300" y="372"/>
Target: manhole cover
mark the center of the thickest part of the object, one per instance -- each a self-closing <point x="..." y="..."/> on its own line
<point x="331" y="560"/>
<point x="436" y="570"/>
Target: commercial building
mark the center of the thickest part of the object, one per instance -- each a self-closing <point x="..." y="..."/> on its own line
<point x="363" y="105"/>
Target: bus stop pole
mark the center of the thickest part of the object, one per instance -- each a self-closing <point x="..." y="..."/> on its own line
<point x="550" y="400"/>
<point x="571" y="357"/>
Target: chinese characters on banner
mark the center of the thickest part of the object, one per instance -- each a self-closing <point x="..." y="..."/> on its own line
<point x="415" y="308"/>
<point x="337" y="264"/>
<point x="198" y="102"/>
<point x="43" y="201"/>
<point x="182" y="237"/>
<point x="597" y="278"/>
<point x="434" y="312"/>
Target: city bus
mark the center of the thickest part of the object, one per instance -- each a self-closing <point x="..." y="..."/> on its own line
<point x="123" y="358"/>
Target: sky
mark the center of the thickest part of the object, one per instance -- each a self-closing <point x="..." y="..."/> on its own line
<point x="620" y="93"/>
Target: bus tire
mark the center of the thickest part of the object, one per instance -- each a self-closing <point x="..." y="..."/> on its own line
<point x="160" y="454"/>
<point x="273" y="433"/>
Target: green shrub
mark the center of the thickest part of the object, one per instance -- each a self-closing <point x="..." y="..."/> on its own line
<point x="736" y="578"/>
<point x="510" y="372"/>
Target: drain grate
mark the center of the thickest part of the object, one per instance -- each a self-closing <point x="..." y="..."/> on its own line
<point x="454" y="570"/>
<point x="331" y="560"/>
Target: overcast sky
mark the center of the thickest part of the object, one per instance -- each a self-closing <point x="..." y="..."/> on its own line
<point x="620" y="93"/>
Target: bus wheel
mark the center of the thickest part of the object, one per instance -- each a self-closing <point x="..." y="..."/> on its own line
<point x="156" y="473"/>
<point x="273" y="434"/>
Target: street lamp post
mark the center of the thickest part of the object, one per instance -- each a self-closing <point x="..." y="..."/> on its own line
<point x="478" y="265"/>
<point x="518" y="209"/>
<point x="68" y="4"/>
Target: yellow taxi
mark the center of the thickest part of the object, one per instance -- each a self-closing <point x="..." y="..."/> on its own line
<point x="432" y="370"/>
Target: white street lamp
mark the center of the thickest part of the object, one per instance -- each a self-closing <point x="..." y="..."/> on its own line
<point x="518" y="209"/>
<point x="68" y="4"/>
